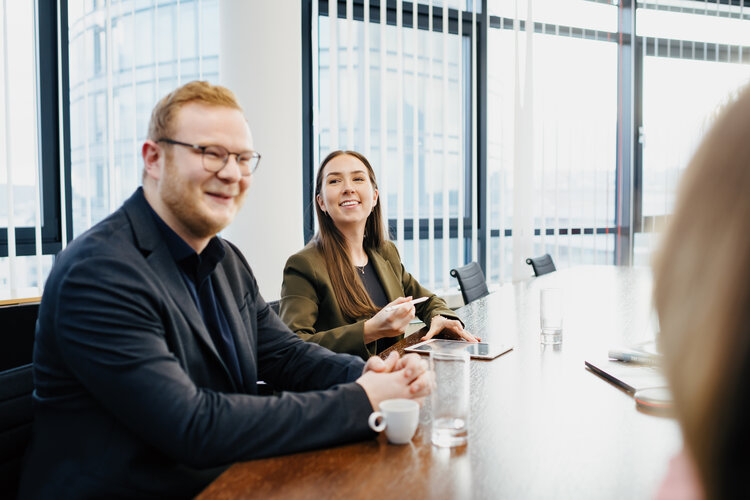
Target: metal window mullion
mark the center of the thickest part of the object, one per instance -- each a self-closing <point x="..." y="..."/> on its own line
<point x="598" y="145"/>
<point x="742" y="16"/>
<point x="415" y="142"/>
<point x="383" y="118"/>
<point x="178" y="37"/>
<point x="156" y="51"/>
<point x="644" y="130"/>
<point x="474" y="142"/>
<point x="351" y="80"/>
<point x="8" y="158"/>
<point x="543" y="221"/>
<point x="446" y="190"/>
<point x="400" y="121"/>
<point x="86" y="129"/>
<point x="36" y="156"/>
<point x="333" y="67"/>
<point x="556" y="214"/>
<point x="570" y="203"/>
<point x="199" y="16"/>
<point x="61" y="136"/>
<point x="501" y="212"/>
<point x="461" y="144"/>
<point x="110" y="113"/>
<point x="315" y="37"/>
<point x="429" y="153"/>
<point x="134" y="125"/>
<point x="366" y="81"/>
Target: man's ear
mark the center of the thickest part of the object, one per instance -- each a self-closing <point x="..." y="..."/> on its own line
<point x="153" y="159"/>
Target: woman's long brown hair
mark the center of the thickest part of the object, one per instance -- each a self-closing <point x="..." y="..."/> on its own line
<point x="353" y="299"/>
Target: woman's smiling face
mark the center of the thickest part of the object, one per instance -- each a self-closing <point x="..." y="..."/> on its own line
<point x="348" y="194"/>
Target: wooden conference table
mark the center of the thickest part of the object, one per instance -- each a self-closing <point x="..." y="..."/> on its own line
<point x="541" y="424"/>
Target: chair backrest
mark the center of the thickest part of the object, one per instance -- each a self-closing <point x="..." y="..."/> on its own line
<point x="17" y="334"/>
<point x="542" y="265"/>
<point x="16" y="416"/>
<point x="275" y="306"/>
<point x="471" y="280"/>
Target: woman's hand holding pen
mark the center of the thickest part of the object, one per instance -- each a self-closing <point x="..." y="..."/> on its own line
<point x="390" y="321"/>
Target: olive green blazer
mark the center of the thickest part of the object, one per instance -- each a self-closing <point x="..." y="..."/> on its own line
<point x="309" y="306"/>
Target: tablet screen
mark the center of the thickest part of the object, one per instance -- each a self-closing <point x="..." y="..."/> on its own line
<point x="481" y="350"/>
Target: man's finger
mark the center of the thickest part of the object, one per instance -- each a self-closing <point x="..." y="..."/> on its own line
<point x="391" y="361"/>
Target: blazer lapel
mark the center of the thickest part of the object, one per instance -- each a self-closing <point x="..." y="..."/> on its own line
<point x="245" y="350"/>
<point x="389" y="280"/>
<point x="152" y="245"/>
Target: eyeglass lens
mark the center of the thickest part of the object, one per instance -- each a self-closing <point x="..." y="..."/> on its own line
<point x="215" y="157"/>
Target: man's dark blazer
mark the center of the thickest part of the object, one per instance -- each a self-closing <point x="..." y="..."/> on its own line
<point x="131" y="397"/>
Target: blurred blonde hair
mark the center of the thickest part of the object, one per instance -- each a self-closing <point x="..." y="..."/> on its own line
<point x="702" y="296"/>
<point x="165" y="111"/>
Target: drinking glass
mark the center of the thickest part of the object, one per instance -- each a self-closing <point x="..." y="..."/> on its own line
<point x="551" y="315"/>
<point x="450" y="397"/>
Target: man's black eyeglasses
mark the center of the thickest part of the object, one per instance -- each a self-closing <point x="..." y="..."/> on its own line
<point x="216" y="157"/>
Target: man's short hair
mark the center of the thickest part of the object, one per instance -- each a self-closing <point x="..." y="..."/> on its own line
<point x="163" y="115"/>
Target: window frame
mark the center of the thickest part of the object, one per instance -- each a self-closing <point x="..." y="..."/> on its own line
<point x="54" y="135"/>
<point x="308" y="180"/>
<point x="625" y="135"/>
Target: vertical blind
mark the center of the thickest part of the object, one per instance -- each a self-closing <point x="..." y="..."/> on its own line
<point x="20" y="179"/>
<point x="396" y="82"/>
<point x="404" y="92"/>
<point x="552" y="127"/>
<point x="398" y="94"/>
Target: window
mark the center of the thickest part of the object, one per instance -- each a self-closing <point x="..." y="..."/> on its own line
<point x="395" y="84"/>
<point x="31" y="218"/>
<point x="695" y="60"/>
<point x="552" y="126"/>
<point x="124" y="56"/>
<point x="552" y="134"/>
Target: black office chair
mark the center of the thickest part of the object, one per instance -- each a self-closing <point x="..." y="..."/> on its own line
<point x="275" y="306"/>
<point x="16" y="417"/>
<point x="542" y="265"/>
<point x="471" y="280"/>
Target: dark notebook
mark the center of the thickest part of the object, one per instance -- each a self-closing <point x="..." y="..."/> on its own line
<point x="629" y="376"/>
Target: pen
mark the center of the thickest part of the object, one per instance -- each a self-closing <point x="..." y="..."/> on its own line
<point x="633" y="357"/>
<point x="413" y="301"/>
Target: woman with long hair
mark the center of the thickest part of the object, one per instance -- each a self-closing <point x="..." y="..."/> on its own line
<point x="340" y="290"/>
<point x="702" y="296"/>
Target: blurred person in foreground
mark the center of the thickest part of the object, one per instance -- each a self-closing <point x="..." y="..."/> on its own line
<point x="152" y="334"/>
<point x="702" y="296"/>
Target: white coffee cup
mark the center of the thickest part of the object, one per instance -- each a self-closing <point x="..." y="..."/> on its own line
<point x="398" y="417"/>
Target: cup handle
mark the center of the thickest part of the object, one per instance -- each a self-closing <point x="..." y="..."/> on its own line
<point x="374" y="416"/>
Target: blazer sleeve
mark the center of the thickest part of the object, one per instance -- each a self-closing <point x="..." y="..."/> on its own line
<point x="428" y="309"/>
<point x="111" y="334"/>
<point x="301" y="309"/>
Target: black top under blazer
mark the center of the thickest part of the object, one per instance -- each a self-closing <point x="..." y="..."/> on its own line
<point x="131" y="397"/>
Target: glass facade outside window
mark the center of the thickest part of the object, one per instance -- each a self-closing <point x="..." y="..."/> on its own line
<point x="124" y="56"/>
<point x="696" y="59"/>
<point x="418" y="82"/>
<point x="20" y="167"/>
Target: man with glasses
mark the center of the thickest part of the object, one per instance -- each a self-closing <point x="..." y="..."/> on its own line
<point x="152" y="334"/>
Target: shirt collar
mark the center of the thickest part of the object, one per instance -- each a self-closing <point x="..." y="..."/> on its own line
<point x="196" y="266"/>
